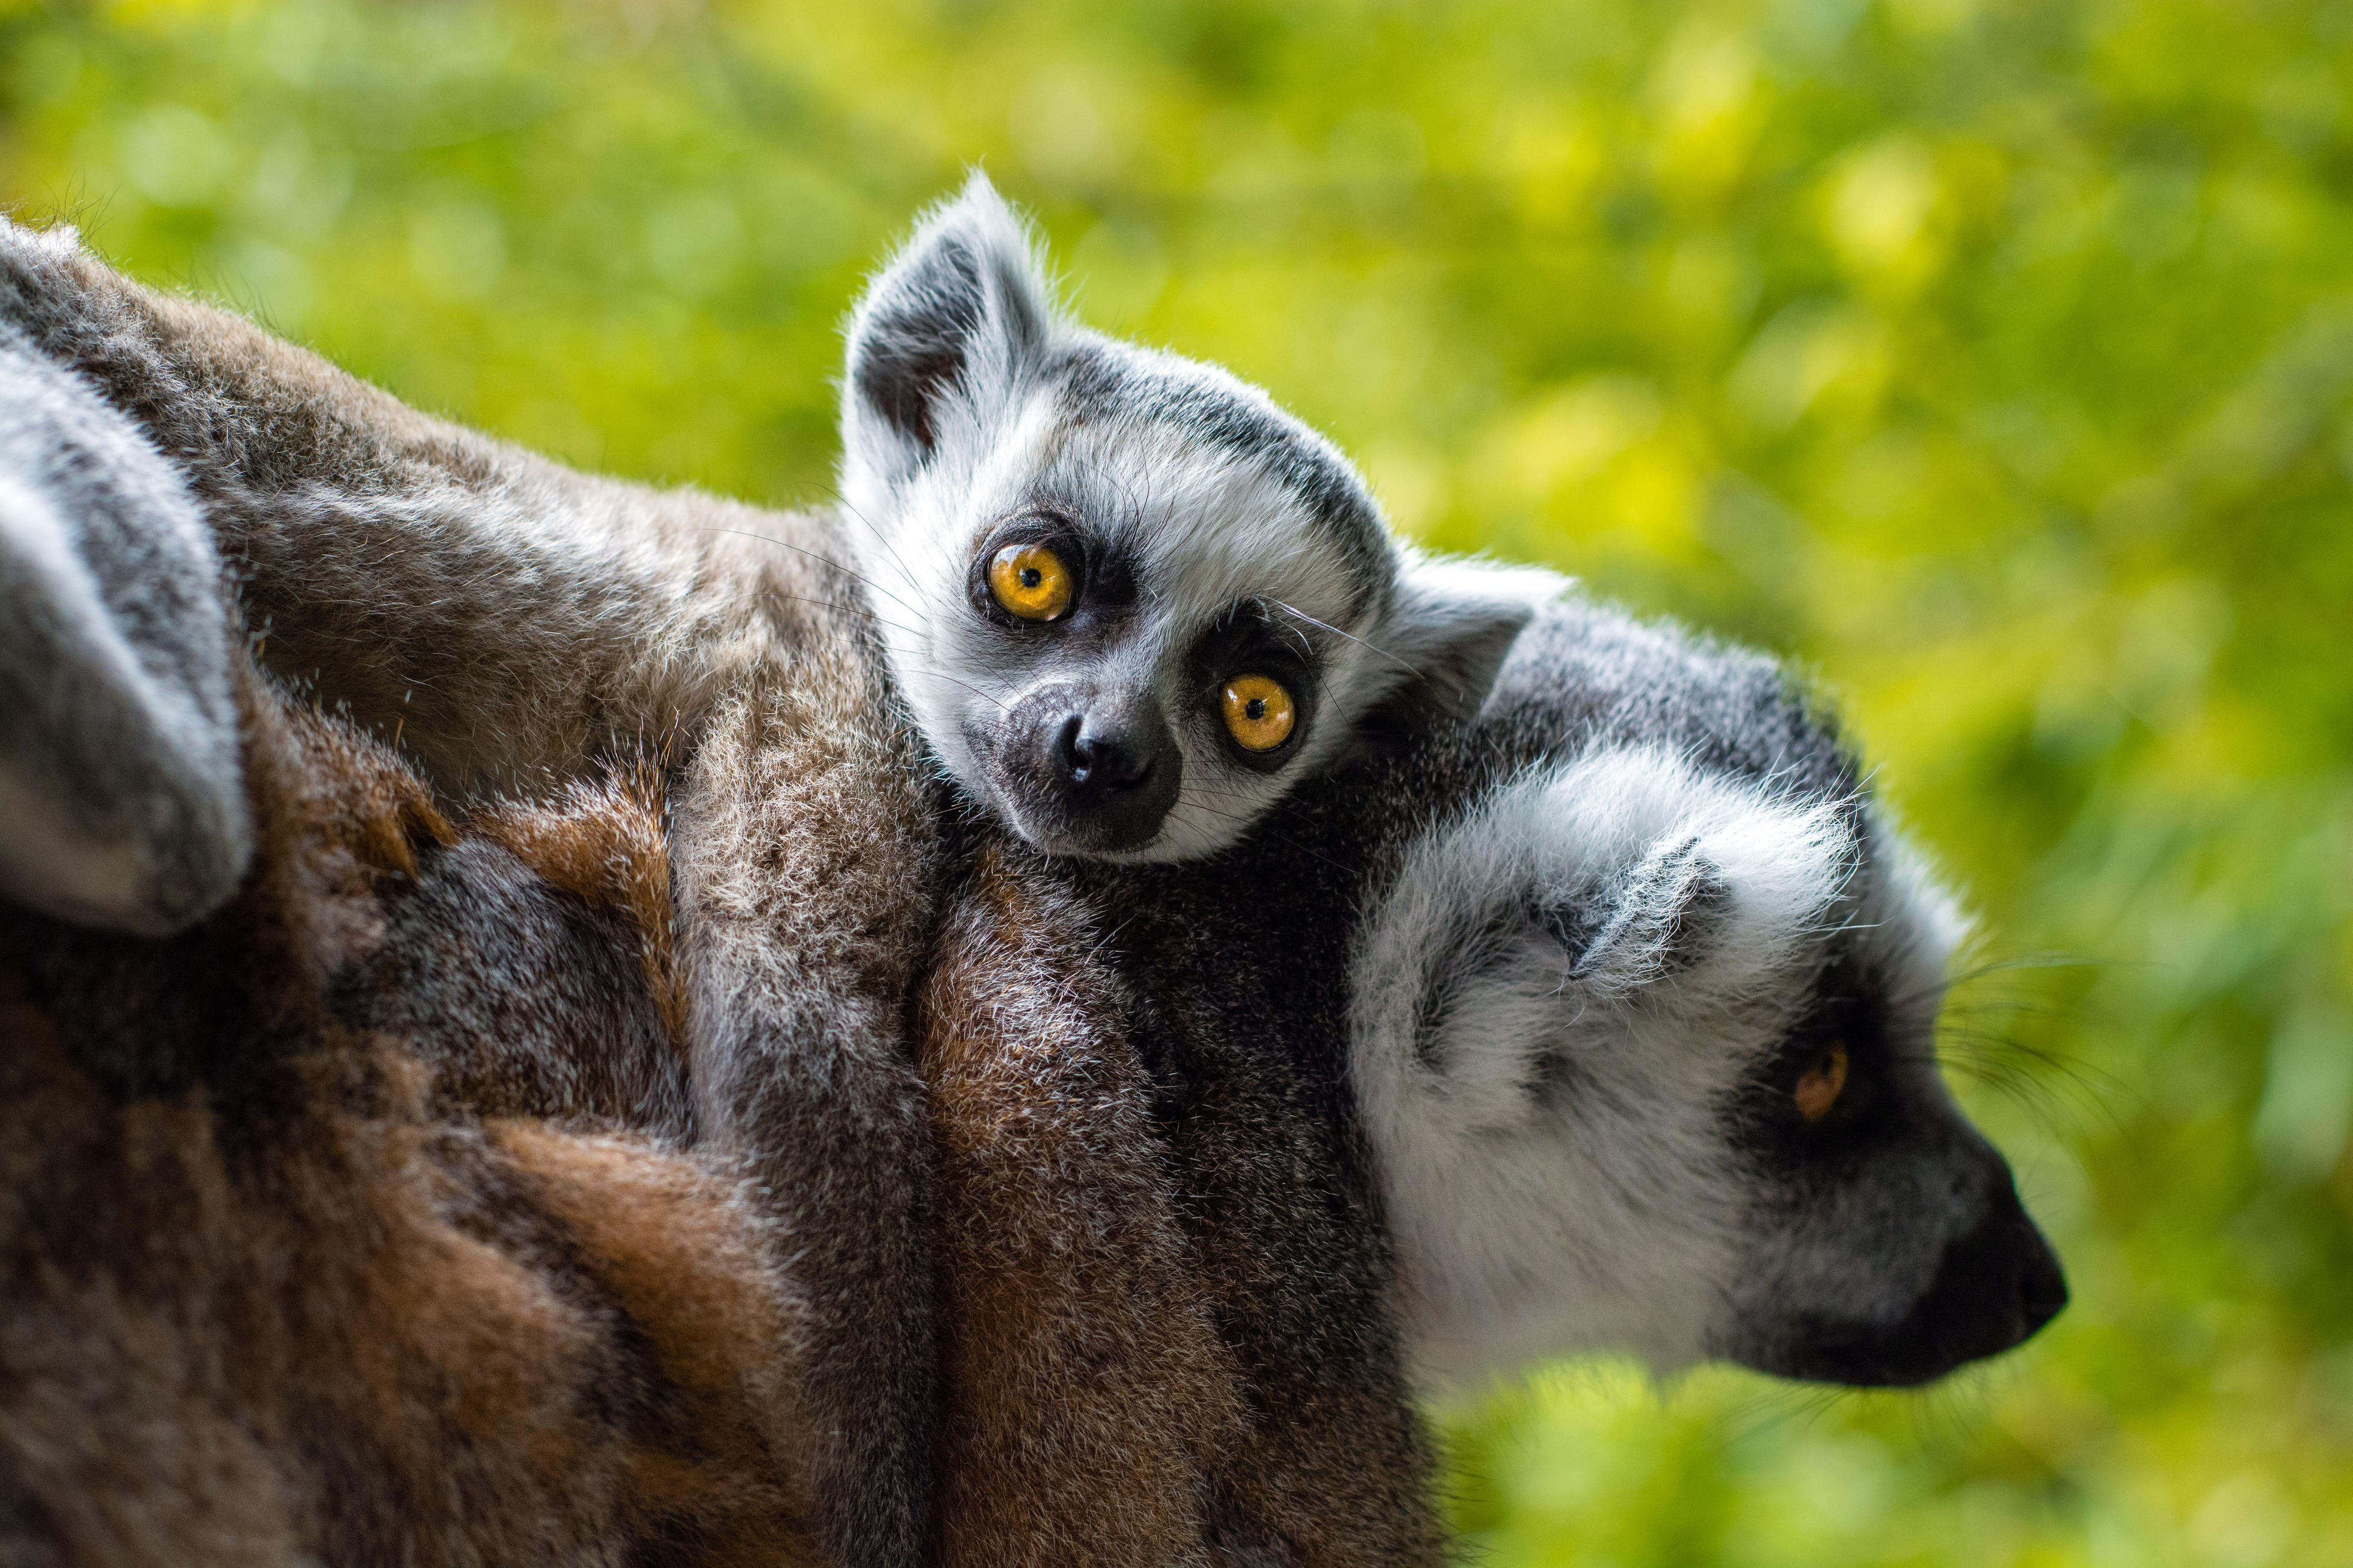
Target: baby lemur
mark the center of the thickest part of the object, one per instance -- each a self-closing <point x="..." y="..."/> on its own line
<point x="1132" y="603"/>
<point x="1129" y="602"/>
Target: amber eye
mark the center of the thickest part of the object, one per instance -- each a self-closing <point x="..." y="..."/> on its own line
<point x="1259" y="711"/>
<point x="1819" y="1089"/>
<point x="1030" y="582"/>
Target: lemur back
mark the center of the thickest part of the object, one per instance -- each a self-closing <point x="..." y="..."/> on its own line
<point x="515" y="628"/>
<point x="282" y="1283"/>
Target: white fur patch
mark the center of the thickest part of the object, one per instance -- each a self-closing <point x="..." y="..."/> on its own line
<point x="1546" y="1121"/>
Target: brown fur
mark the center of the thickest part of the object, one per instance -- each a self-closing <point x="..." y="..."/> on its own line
<point x="519" y="630"/>
<point x="261" y="1303"/>
<point x="1132" y="1372"/>
<point x="1086" y="1389"/>
<point x="377" y="1300"/>
<point x="606" y="844"/>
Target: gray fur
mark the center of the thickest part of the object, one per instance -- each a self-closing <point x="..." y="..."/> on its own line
<point x="120" y="798"/>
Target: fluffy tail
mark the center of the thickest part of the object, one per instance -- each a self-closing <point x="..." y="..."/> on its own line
<point x="120" y="803"/>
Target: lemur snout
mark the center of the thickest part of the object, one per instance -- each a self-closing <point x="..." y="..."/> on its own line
<point x="2043" y="1292"/>
<point x="1995" y="1288"/>
<point x="1092" y="754"/>
<point x="1995" y="1285"/>
<point x="1088" y="771"/>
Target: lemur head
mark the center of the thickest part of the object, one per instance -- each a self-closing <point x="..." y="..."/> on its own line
<point x="1130" y="601"/>
<point x="1641" y="1027"/>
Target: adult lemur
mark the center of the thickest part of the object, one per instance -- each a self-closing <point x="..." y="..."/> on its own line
<point x="1163" y="603"/>
<point x="1605" y="1020"/>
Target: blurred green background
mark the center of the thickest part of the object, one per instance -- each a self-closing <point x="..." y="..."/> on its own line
<point x="1994" y="358"/>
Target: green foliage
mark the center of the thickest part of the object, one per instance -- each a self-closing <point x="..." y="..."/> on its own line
<point x="1993" y="357"/>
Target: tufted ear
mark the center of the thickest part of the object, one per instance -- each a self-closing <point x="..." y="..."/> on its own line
<point x="1718" y="883"/>
<point x="1663" y="915"/>
<point x="965" y="311"/>
<point x="1451" y="622"/>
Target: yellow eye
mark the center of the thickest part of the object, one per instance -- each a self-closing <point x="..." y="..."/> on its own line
<point x="1819" y="1089"/>
<point x="1259" y="711"/>
<point x="1030" y="582"/>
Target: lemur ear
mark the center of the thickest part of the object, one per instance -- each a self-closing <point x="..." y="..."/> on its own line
<point x="965" y="309"/>
<point x="1452" y="623"/>
<point x="1664" y="916"/>
<point x="1717" y="874"/>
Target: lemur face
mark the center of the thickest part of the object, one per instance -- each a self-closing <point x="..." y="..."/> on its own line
<point x="1130" y="601"/>
<point x="1644" y="1045"/>
<point x="1143" y="635"/>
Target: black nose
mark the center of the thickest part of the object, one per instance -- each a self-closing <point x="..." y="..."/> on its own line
<point x="1995" y="1287"/>
<point x="1086" y="770"/>
<point x="1104" y="758"/>
<point x="2042" y="1287"/>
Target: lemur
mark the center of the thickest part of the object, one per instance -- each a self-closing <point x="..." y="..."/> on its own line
<point x="1171" y="602"/>
<point x="1605" y="1018"/>
<point x="1129" y="601"/>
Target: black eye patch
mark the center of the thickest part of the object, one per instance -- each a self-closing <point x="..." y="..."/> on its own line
<point x="1820" y="1085"/>
<point x="1103" y="583"/>
<point x="1257" y="638"/>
